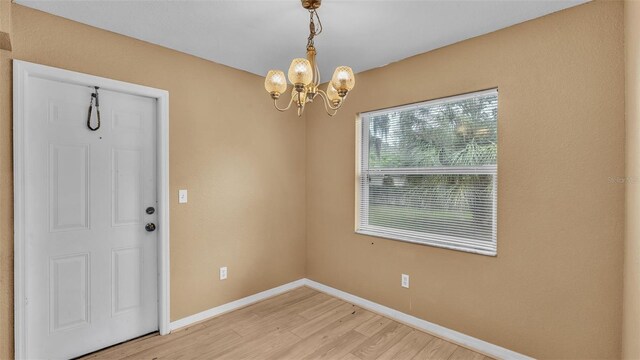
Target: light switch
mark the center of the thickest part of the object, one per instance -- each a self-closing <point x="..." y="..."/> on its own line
<point x="404" y="281"/>
<point x="182" y="196"/>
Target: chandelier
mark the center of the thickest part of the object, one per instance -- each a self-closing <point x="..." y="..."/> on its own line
<point x="305" y="76"/>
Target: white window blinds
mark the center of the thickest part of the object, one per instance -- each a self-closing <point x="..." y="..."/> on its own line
<point x="428" y="172"/>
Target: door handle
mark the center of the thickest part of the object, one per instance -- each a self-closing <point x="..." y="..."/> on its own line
<point x="150" y="227"/>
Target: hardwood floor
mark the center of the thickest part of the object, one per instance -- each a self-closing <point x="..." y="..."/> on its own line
<point x="300" y="324"/>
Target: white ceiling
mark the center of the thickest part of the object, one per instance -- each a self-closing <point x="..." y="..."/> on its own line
<point x="260" y="35"/>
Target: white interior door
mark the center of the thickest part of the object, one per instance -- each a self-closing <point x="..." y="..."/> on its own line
<point x="90" y="265"/>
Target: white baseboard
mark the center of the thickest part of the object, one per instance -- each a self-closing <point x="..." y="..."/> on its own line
<point x="431" y="328"/>
<point x="234" y="305"/>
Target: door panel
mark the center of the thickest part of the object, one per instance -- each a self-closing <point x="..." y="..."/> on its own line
<point x="126" y="121"/>
<point x="91" y="268"/>
<point x="69" y="295"/>
<point x="127" y="279"/>
<point x="127" y="187"/>
<point x="69" y="189"/>
<point x="63" y="113"/>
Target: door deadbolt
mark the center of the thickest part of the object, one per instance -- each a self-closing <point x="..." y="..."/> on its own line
<point x="150" y="227"/>
<point x="150" y="210"/>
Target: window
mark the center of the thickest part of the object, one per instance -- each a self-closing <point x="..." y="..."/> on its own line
<point x="428" y="172"/>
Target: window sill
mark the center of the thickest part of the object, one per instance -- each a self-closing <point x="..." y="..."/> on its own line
<point x="451" y="243"/>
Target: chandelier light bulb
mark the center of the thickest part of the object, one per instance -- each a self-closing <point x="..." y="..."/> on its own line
<point x="343" y="79"/>
<point x="332" y="94"/>
<point x="300" y="72"/>
<point x="275" y="82"/>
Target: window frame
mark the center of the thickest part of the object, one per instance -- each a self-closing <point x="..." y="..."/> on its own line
<point x="362" y="226"/>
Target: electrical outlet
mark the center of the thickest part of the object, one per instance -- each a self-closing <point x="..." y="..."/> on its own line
<point x="223" y="273"/>
<point x="404" y="281"/>
<point x="182" y="196"/>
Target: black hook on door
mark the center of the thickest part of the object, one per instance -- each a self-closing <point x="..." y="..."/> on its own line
<point x="94" y="96"/>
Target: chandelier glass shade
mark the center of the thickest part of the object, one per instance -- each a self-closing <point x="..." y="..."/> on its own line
<point x="304" y="75"/>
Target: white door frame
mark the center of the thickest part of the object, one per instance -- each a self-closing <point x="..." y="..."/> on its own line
<point x="22" y="71"/>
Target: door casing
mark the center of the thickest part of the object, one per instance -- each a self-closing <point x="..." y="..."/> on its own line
<point x="22" y="71"/>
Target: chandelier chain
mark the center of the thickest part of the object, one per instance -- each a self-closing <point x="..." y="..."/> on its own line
<point x="313" y="31"/>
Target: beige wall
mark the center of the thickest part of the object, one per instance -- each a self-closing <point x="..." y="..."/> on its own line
<point x="5" y="16"/>
<point x="555" y="288"/>
<point x="5" y="24"/>
<point x="631" y="305"/>
<point x="242" y="161"/>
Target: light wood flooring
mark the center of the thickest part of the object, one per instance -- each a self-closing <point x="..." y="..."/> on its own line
<point x="300" y="324"/>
